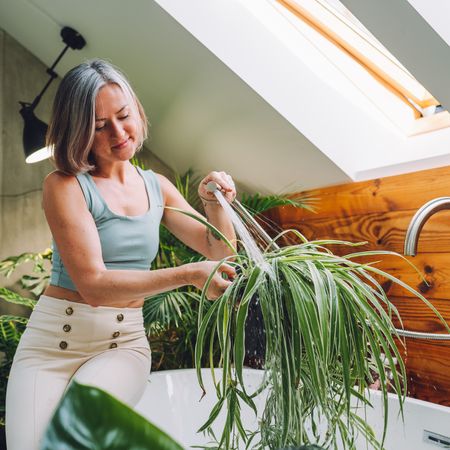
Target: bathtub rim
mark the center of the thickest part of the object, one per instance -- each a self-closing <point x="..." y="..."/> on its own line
<point x="376" y="393"/>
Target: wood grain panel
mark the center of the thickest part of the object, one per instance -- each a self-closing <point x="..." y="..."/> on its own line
<point x="383" y="231"/>
<point x="379" y="212"/>
<point x="430" y="277"/>
<point x="419" y="317"/>
<point x="403" y="192"/>
<point x="427" y="364"/>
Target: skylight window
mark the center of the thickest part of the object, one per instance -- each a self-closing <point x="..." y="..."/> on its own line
<point x="348" y="46"/>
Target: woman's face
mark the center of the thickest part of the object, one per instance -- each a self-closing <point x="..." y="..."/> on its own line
<point x="117" y="126"/>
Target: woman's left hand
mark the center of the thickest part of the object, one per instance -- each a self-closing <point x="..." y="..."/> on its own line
<point x="225" y="183"/>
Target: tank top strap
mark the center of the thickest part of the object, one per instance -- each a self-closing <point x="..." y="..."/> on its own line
<point x="93" y="201"/>
<point x="154" y="186"/>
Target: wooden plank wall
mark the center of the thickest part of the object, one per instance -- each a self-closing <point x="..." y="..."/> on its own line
<point x="379" y="212"/>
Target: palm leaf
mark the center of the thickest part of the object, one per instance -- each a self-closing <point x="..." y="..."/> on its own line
<point x="172" y="252"/>
<point x="257" y="203"/>
<point x="187" y="185"/>
<point x="167" y="309"/>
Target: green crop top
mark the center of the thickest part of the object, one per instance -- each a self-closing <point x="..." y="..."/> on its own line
<point x="128" y="242"/>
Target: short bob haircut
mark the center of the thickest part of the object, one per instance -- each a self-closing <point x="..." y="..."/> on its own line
<point x="72" y="125"/>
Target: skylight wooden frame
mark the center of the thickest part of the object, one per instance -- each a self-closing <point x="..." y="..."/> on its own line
<point x="374" y="58"/>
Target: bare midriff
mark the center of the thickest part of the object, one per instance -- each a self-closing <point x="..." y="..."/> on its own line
<point x="74" y="296"/>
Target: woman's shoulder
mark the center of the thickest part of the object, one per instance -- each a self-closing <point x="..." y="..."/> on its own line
<point x="58" y="184"/>
<point x="164" y="182"/>
<point x="59" y="178"/>
<point x="161" y="178"/>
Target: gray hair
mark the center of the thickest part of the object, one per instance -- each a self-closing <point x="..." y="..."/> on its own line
<point x="72" y="125"/>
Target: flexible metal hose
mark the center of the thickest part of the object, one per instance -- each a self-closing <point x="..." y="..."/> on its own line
<point x="420" y="335"/>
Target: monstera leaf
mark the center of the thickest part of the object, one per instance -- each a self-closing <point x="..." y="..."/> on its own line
<point x="90" y="419"/>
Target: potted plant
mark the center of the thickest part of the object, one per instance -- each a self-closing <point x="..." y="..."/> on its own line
<point x="171" y="317"/>
<point x="328" y="327"/>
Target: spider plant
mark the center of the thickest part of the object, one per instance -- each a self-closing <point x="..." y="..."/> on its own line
<point x="171" y="317"/>
<point x="328" y="326"/>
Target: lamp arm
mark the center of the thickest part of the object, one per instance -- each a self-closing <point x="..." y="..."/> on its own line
<point x="72" y="39"/>
<point x="53" y="75"/>
<point x="50" y="71"/>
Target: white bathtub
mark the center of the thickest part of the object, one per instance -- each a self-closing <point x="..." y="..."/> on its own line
<point x="171" y="401"/>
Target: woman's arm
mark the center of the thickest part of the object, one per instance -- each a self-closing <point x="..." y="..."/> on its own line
<point x="192" y="232"/>
<point x="76" y="236"/>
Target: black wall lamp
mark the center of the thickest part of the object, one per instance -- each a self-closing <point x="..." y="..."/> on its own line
<point x="34" y="130"/>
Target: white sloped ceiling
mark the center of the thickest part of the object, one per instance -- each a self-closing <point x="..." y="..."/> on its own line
<point x="223" y="92"/>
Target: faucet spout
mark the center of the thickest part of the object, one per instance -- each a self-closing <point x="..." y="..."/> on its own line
<point x="419" y="220"/>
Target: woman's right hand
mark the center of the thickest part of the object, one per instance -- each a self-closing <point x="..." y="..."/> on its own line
<point x="202" y="270"/>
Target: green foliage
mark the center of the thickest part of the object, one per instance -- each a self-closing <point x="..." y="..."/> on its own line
<point x="168" y="309"/>
<point x="171" y="318"/>
<point x="257" y="203"/>
<point x="13" y="297"/>
<point x="33" y="283"/>
<point x="11" y="329"/>
<point x="328" y="325"/>
<point x="303" y="447"/>
<point x="172" y="252"/>
<point x="187" y="185"/>
<point x="137" y="161"/>
<point x="88" y="418"/>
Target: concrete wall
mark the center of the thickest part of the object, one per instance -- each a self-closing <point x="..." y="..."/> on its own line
<point x="23" y="227"/>
<point x="22" y="222"/>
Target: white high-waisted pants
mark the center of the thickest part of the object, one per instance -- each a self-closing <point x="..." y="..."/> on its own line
<point x="101" y="346"/>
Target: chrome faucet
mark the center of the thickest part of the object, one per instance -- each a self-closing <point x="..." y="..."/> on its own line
<point x="419" y="220"/>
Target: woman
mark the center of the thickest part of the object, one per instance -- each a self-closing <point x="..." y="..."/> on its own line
<point x="104" y="215"/>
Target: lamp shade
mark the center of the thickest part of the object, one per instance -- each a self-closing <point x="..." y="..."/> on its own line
<point x="34" y="132"/>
